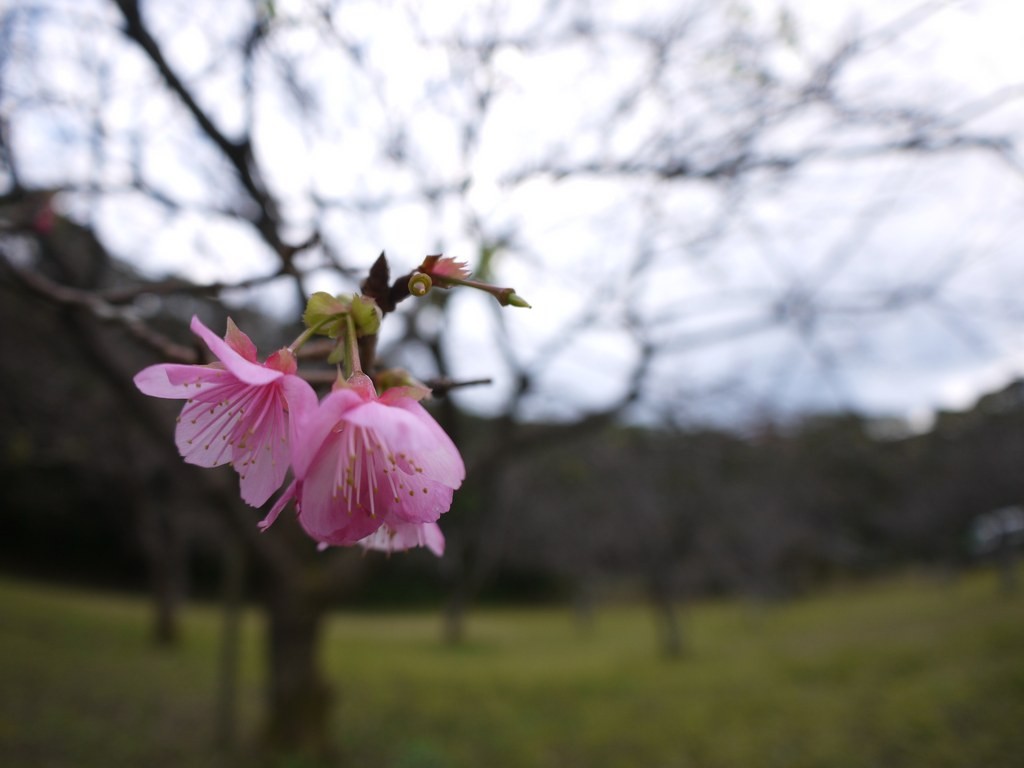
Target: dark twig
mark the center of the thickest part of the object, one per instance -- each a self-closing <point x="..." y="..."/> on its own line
<point x="126" y="317"/>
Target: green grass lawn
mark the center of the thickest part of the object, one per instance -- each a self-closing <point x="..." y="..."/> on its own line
<point x="913" y="672"/>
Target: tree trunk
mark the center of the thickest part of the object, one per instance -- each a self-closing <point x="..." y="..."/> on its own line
<point x="454" y="630"/>
<point x="1006" y="560"/>
<point x="162" y="541"/>
<point x="473" y="551"/>
<point x="671" y="632"/>
<point x="456" y="569"/>
<point x="233" y="585"/>
<point x="584" y="603"/>
<point x="299" y="697"/>
<point x="665" y="614"/>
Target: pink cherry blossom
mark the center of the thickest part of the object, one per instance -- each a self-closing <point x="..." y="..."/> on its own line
<point x="362" y="462"/>
<point x="445" y="266"/>
<point x="238" y="409"/>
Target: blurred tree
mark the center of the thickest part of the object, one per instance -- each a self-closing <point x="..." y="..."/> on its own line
<point x="673" y="181"/>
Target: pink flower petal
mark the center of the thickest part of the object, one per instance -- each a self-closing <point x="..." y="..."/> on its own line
<point x="260" y="454"/>
<point x="300" y="398"/>
<point x="245" y="370"/>
<point x="279" y="505"/>
<point x="325" y="512"/>
<point x="237" y="411"/>
<point x="203" y="434"/>
<point x="172" y="380"/>
<point x="361" y="462"/>
<point x="412" y="435"/>
<point x="420" y="500"/>
<point x="401" y="537"/>
<point x="315" y="424"/>
<point x="447" y="266"/>
<point x="240" y="342"/>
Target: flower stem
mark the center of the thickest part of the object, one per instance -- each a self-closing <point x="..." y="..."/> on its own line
<point x="351" y="360"/>
<point x="307" y="334"/>
<point x="505" y="296"/>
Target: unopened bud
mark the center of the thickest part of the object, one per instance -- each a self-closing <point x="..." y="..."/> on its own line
<point x="420" y="284"/>
<point x="517" y="301"/>
<point x="508" y="296"/>
<point x="401" y="382"/>
<point x="444" y="267"/>
<point x="325" y="313"/>
<point x="366" y="315"/>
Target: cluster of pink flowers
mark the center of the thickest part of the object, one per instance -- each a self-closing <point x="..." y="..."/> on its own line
<point x="367" y="469"/>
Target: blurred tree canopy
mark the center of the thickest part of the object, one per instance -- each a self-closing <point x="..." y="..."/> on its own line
<point x="829" y="199"/>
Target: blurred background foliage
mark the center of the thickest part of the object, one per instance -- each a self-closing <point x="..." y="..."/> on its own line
<point x="743" y="234"/>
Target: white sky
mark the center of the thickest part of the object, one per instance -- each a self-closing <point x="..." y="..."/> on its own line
<point x="840" y="236"/>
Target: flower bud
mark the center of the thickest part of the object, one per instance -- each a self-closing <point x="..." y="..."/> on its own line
<point x="403" y="382"/>
<point x="508" y="296"/>
<point x="444" y="267"/>
<point x="517" y="301"/>
<point x="326" y="313"/>
<point x="366" y="315"/>
<point x="420" y="284"/>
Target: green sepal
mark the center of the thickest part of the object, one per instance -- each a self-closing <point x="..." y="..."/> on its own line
<point x="366" y="315"/>
<point x="337" y="355"/>
<point x="398" y="381"/>
<point x="325" y="314"/>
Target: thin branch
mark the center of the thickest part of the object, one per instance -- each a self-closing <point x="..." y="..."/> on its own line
<point x="99" y="308"/>
<point x="238" y="153"/>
